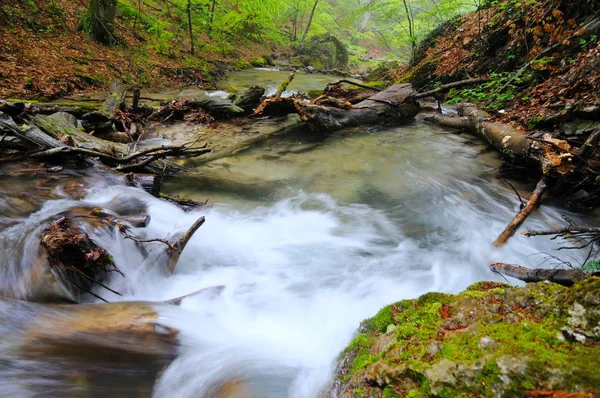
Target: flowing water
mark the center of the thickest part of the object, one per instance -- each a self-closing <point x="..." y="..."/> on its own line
<point x="309" y="235"/>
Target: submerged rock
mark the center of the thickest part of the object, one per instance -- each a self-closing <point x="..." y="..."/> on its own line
<point x="491" y="340"/>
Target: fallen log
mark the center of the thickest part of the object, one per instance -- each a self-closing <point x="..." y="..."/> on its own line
<point x="353" y="96"/>
<point x="331" y="101"/>
<point x="565" y="277"/>
<point x="111" y="153"/>
<point x="552" y="157"/>
<point x="250" y="98"/>
<point x="178" y="109"/>
<point x="570" y="230"/>
<point x="395" y="104"/>
<point x="101" y="122"/>
<point x="77" y="109"/>
<point x="220" y="108"/>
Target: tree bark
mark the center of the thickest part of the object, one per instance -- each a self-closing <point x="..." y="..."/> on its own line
<point x="99" y="20"/>
<point x="541" y="153"/>
<point x="565" y="277"/>
<point x="396" y="104"/>
<point x="532" y="204"/>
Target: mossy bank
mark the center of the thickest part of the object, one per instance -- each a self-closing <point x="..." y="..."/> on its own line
<point x="491" y="340"/>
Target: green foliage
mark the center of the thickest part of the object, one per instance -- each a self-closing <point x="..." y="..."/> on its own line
<point x="592" y="266"/>
<point x="28" y="83"/>
<point x="496" y="94"/>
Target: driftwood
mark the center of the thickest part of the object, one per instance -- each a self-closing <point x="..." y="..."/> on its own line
<point x="178" y="109"/>
<point x="565" y="277"/>
<point x="284" y="84"/>
<point x="185" y="204"/>
<point x="447" y="87"/>
<point x="131" y="328"/>
<point x="182" y="243"/>
<point x="395" y="104"/>
<point x="570" y="230"/>
<point x="60" y="140"/>
<point x="353" y="96"/>
<point x="533" y="203"/>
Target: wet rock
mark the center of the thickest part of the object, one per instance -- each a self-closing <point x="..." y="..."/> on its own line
<point x="486" y="342"/>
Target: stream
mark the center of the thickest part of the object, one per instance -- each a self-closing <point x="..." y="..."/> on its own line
<point x="309" y="234"/>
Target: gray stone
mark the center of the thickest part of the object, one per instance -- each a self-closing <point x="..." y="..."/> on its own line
<point x="486" y="342"/>
<point x="65" y="117"/>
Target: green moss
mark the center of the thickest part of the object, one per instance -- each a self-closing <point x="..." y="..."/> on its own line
<point x="242" y="64"/>
<point x="363" y="340"/>
<point x="380" y="321"/>
<point x="314" y="93"/>
<point x="415" y="394"/>
<point x="389" y="393"/>
<point x="484" y="286"/>
<point x="520" y="327"/>
<point x="421" y="74"/>
<point x="259" y="62"/>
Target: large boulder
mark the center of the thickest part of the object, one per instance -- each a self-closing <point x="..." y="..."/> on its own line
<point x="491" y="340"/>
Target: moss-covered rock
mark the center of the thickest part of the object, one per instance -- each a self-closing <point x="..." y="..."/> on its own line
<point x="490" y="340"/>
<point x="420" y="75"/>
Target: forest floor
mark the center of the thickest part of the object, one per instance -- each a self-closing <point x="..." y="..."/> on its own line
<point x="45" y="55"/>
<point x="543" y="62"/>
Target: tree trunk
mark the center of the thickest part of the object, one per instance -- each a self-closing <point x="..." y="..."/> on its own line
<point x="189" y="15"/>
<point x="99" y="20"/>
<point x="312" y="14"/>
<point x="212" y="16"/>
<point x="411" y="28"/>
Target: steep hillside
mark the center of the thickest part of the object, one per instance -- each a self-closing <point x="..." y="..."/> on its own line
<point x="45" y="54"/>
<point x="543" y="58"/>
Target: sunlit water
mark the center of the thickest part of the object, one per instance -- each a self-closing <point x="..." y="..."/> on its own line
<point x="309" y="235"/>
